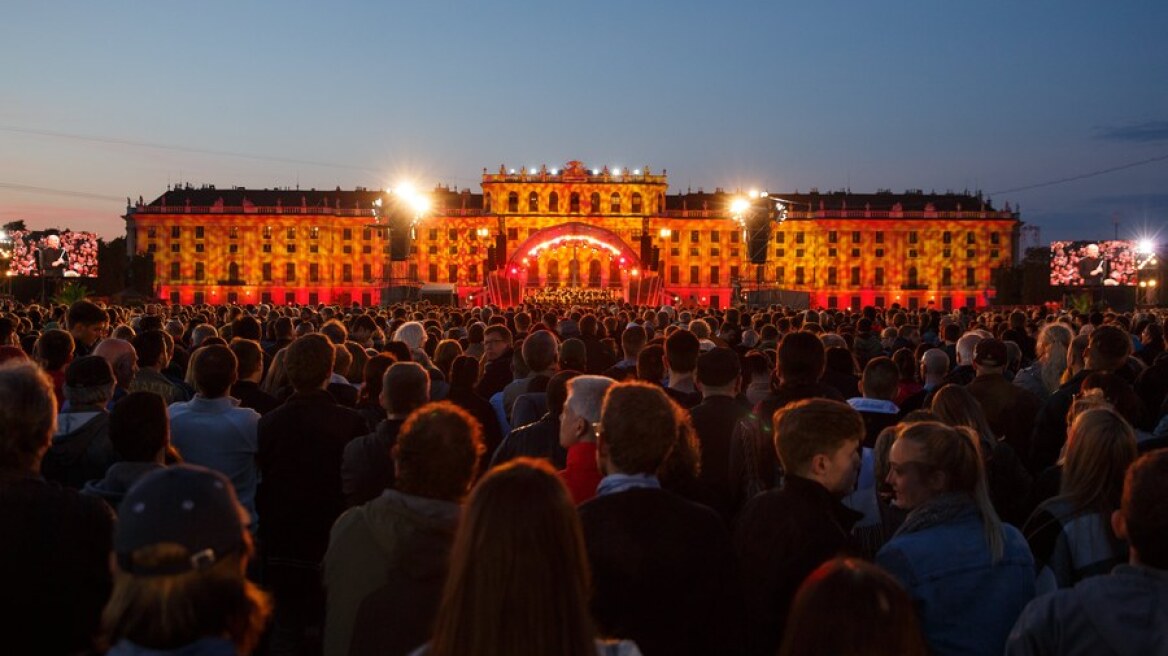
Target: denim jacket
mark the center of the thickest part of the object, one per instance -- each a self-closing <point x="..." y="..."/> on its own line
<point x="966" y="603"/>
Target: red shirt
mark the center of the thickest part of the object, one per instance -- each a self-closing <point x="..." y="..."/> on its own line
<point x="582" y="474"/>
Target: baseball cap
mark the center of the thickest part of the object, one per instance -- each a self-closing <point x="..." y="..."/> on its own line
<point x="185" y="505"/>
<point x="990" y="353"/>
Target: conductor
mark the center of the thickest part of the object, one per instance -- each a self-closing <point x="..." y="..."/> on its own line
<point x="53" y="258"/>
<point x="1092" y="267"/>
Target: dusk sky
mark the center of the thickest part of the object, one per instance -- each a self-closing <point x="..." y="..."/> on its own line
<point x="100" y="101"/>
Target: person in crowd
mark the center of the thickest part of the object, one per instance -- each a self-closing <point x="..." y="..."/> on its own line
<point x="513" y="589"/>
<point x="1118" y="613"/>
<point x="578" y="421"/>
<point x="250" y="356"/>
<point x="387" y="559"/>
<point x="541" y="438"/>
<point x="53" y="352"/>
<point x="496" y="362"/>
<point x="87" y="324"/>
<point x="122" y="359"/>
<point x="963" y="372"/>
<point x="573" y="355"/>
<point x="880" y="518"/>
<point x="1107" y="351"/>
<point x="714" y="419"/>
<point x="1008" y="408"/>
<point x="909" y="384"/>
<point x="632" y="340"/>
<point x="599" y="356"/>
<point x="54" y="556"/>
<point x="365" y="472"/>
<point x="539" y="355"/>
<point x="683" y="599"/>
<point x="150" y="346"/>
<point x="81" y="449"/>
<point x="369" y="396"/>
<point x="212" y="431"/>
<point x="444" y="355"/>
<point x="878" y="387"/>
<point x="756" y="377"/>
<point x="934" y="368"/>
<point x="785" y="533"/>
<point x="464" y="372"/>
<point x="651" y="364"/>
<point x="140" y="433"/>
<point x="1007" y="479"/>
<point x="182" y="548"/>
<point x="968" y="574"/>
<point x="682" y="349"/>
<point x="840" y="368"/>
<point x="1070" y="535"/>
<point x="880" y="617"/>
<point x="1044" y="376"/>
<point x="301" y="444"/>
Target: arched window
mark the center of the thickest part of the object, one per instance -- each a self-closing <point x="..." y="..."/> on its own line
<point x="513" y="202"/>
<point x="594" y="200"/>
<point x="912" y="277"/>
<point x="574" y="203"/>
<point x="533" y="273"/>
<point x="487" y="202"/>
<point x="636" y="209"/>
<point x="533" y="202"/>
<point x="614" y="271"/>
<point x="553" y="272"/>
<point x="614" y="203"/>
<point x="594" y="273"/>
<point x="554" y="202"/>
<point x="233" y="271"/>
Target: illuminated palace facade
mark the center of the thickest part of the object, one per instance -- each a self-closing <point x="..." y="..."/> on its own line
<point x="576" y="226"/>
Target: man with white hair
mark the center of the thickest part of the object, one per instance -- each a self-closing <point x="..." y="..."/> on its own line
<point x="577" y="434"/>
<point x="964" y="372"/>
<point x="934" y="368"/>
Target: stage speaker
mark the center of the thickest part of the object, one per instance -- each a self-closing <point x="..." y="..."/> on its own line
<point x="646" y="251"/>
<point x="500" y="249"/>
<point x="491" y="264"/>
<point x="656" y="263"/>
<point x="758" y="241"/>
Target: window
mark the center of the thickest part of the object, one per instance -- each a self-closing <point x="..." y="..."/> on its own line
<point x="314" y="233"/>
<point x="175" y="271"/>
<point x="367" y="234"/>
<point x="289" y="297"/>
<point x="715" y="236"/>
<point x="433" y="273"/>
<point x="267" y="272"/>
<point x="832" y="276"/>
<point x="367" y="272"/>
<point x="675" y="236"/>
<point x="152" y="232"/>
<point x="695" y="252"/>
<point x="946" y="277"/>
<point x="800" y="237"/>
<point x="594" y="203"/>
<point x="879" y="277"/>
<point x="347" y="249"/>
<point x="574" y="202"/>
<point x="433" y="234"/>
<point x="879" y="236"/>
<point x="454" y="250"/>
<point x="780" y="274"/>
<point x="799" y="276"/>
<point x="735" y="237"/>
<point x="175" y="232"/>
<point x="291" y="233"/>
<point x="798" y="252"/>
<point x="780" y="252"/>
<point x="152" y="248"/>
<point x="694" y="275"/>
<point x="433" y="250"/>
<point x="994" y="254"/>
<point x="695" y="237"/>
<point x="290" y="271"/>
<point x="233" y="233"/>
<point x="947" y="237"/>
<point x="714" y="275"/>
<point x="200" y="272"/>
<point x="855" y="236"/>
<point x="314" y="272"/>
<point x="512" y="234"/>
<point x="733" y="273"/>
<point x="970" y="277"/>
<point x="267" y="248"/>
<point x="233" y="248"/>
<point x="970" y="253"/>
<point x="175" y="248"/>
<point x="366" y="249"/>
<point x="636" y="203"/>
<point x="970" y="238"/>
<point x="715" y="252"/>
<point x="452" y="234"/>
<point x="267" y="232"/>
<point x="291" y="248"/>
<point x="946" y="253"/>
<point x="831" y="252"/>
<point x="346" y="234"/>
<point x="472" y="272"/>
<point x="913" y="236"/>
<point x="879" y="252"/>
<point x="674" y="275"/>
<point x="554" y="202"/>
<point x="512" y="202"/>
<point x="855" y="276"/>
<point x="533" y="202"/>
<point x="912" y="277"/>
<point x="855" y="252"/>
<point x="833" y="237"/>
<point x="912" y="253"/>
<point x="346" y="272"/>
<point x="780" y="237"/>
<point x="614" y="203"/>
<point x="995" y="238"/>
<point x="199" y="247"/>
<point x="452" y="273"/>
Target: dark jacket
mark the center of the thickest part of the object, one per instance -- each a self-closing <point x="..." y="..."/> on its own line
<point x="119" y="478"/>
<point x="782" y="536"/>
<point x="367" y="465"/>
<point x="81" y="450"/>
<point x="539" y="439"/>
<point x="299" y="496"/>
<point x="479" y="408"/>
<point x="54" y="562"/>
<point x="251" y="396"/>
<point x="1010" y="409"/>
<point x="496" y="375"/>
<point x="1050" y="426"/>
<point x="600" y="357"/>
<point x="663" y="573"/>
<point x="714" y="420"/>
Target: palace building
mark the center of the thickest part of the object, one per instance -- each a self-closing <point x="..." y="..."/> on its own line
<point x="536" y="229"/>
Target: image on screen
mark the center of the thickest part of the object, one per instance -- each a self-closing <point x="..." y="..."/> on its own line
<point x="1092" y="263"/>
<point x="53" y="254"/>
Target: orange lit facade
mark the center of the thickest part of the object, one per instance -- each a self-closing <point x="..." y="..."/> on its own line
<point x="574" y="226"/>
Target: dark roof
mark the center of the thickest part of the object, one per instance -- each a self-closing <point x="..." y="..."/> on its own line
<point x="910" y="201"/>
<point x="349" y="198"/>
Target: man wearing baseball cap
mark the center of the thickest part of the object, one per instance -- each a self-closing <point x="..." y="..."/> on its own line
<point x="1009" y="408"/>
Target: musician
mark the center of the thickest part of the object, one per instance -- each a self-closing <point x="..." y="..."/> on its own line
<point x="53" y="259"/>
<point x="1092" y="266"/>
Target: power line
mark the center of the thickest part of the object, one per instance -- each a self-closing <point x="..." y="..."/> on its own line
<point x="57" y="192"/>
<point x="184" y="149"/>
<point x="1082" y="176"/>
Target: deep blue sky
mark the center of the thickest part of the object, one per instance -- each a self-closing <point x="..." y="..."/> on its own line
<point x="981" y="95"/>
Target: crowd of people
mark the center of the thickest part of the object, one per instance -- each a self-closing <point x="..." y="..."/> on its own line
<point x="566" y="296"/>
<point x="581" y="477"/>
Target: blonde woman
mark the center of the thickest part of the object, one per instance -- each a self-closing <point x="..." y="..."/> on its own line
<point x="1070" y="535"/>
<point x="1044" y="377"/>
